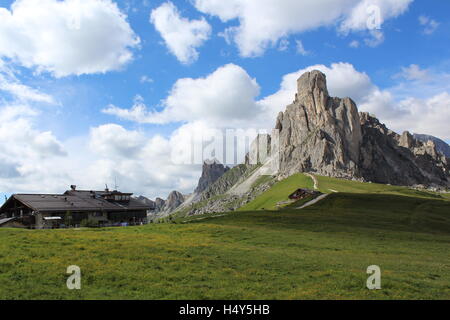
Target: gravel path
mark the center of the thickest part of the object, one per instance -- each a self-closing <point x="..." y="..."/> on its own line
<point x="314" y="179"/>
<point x="314" y="201"/>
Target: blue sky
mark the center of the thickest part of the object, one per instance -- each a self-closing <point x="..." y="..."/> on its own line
<point x="400" y="72"/>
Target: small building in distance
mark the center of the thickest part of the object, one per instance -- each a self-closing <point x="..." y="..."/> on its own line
<point x="302" y="193"/>
<point x="72" y="208"/>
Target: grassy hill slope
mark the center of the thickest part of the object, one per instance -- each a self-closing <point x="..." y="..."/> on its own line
<point x="281" y="190"/>
<point x="320" y="252"/>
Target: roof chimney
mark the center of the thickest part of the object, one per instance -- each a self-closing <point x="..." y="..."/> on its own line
<point x="73" y="187"/>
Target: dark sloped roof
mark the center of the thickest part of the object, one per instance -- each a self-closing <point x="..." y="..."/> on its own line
<point x="77" y="201"/>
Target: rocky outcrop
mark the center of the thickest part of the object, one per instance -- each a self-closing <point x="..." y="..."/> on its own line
<point x="174" y="200"/>
<point x="328" y="136"/>
<point x="319" y="133"/>
<point x="217" y="197"/>
<point x="387" y="157"/>
<point x="441" y="146"/>
<point x="163" y="207"/>
<point x="159" y="205"/>
<point x="211" y="171"/>
<point x="227" y="181"/>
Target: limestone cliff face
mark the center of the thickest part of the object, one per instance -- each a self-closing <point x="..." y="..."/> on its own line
<point x="319" y="133"/>
<point x="328" y="136"/>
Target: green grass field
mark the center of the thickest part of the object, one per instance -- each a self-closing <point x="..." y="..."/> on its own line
<point x="320" y="252"/>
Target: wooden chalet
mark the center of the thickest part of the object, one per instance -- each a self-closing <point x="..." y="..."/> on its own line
<point x="302" y="193"/>
<point x="71" y="208"/>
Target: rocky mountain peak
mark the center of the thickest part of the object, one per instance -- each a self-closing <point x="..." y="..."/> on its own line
<point x="319" y="133"/>
<point x="211" y="171"/>
<point x="407" y="140"/>
<point x="312" y="85"/>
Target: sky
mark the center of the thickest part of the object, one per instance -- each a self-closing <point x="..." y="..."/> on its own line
<point x="96" y="92"/>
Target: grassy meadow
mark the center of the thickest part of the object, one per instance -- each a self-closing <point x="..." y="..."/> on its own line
<point x="320" y="252"/>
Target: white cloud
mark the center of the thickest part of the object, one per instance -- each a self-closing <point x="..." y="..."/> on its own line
<point x="22" y="92"/>
<point x="372" y="13"/>
<point x="414" y="72"/>
<point x="27" y="155"/>
<point x="18" y="137"/>
<point x="139" y="163"/>
<point x="10" y="84"/>
<point x="181" y="35"/>
<point x="301" y="49"/>
<point x="70" y="37"/>
<point x="146" y="79"/>
<point x="430" y="25"/>
<point x="375" y="38"/>
<point x="227" y="95"/>
<point x="286" y="17"/>
<point x="116" y="141"/>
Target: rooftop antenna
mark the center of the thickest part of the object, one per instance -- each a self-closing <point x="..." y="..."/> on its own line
<point x="115" y="183"/>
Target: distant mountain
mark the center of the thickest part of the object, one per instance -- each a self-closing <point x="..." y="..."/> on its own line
<point x="147" y="201"/>
<point x="211" y="171"/>
<point x="441" y="146"/>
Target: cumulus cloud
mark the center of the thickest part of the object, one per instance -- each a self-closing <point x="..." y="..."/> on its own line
<point x="18" y="137"/>
<point x="25" y="151"/>
<point x="69" y="37"/>
<point x="227" y="95"/>
<point x="115" y="141"/>
<point x="138" y="162"/>
<point x="181" y="35"/>
<point x="371" y="14"/>
<point x="286" y="17"/>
